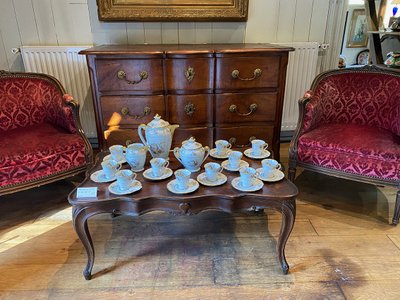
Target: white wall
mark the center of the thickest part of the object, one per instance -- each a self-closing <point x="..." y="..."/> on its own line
<point x="75" y="22"/>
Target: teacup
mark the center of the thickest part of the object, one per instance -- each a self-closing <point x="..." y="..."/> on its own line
<point x="247" y="176"/>
<point x="182" y="179"/>
<point x="212" y="171"/>
<point x="117" y="152"/>
<point x="125" y="179"/>
<point x="136" y="156"/>
<point x="234" y="159"/>
<point x="222" y="146"/>
<point x="110" y="167"/>
<point x="158" y="166"/>
<point x="269" y="166"/>
<point x="258" y="146"/>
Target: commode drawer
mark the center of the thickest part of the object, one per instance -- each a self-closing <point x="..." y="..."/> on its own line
<point x="117" y="136"/>
<point x="131" y="110"/>
<point x="122" y="136"/>
<point x="246" y="72"/>
<point x="192" y="74"/>
<point x="140" y="75"/>
<point x="242" y="136"/>
<point x="191" y="110"/>
<point x="202" y="135"/>
<point x="242" y="108"/>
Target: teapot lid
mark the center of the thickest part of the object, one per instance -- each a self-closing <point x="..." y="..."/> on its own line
<point x="158" y="122"/>
<point x="191" y="144"/>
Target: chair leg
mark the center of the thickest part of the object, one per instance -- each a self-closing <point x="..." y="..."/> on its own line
<point x="396" y="213"/>
<point x="292" y="171"/>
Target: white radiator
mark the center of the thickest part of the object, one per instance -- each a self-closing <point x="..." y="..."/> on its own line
<point x="65" y="64"/>
<point x="302" y="69"/>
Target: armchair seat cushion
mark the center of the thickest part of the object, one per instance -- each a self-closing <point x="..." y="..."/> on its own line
<point x="38" y="151"/>
<point x="358" y="149"/>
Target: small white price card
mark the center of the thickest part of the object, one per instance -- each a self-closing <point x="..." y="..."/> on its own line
<point x="86" y="192"/>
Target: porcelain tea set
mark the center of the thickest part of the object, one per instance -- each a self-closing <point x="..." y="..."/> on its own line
<point x="157" y="140"/>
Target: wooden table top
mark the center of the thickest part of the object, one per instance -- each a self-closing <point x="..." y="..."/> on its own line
<point x="282" y="190"/>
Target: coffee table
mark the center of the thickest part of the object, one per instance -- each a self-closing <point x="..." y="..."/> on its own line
<point x="154" y="196"/>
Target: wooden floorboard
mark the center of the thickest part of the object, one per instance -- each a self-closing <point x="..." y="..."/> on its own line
<point x="342" y="247"/>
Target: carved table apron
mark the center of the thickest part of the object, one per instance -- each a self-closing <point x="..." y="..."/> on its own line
<point x="154" y="195"/>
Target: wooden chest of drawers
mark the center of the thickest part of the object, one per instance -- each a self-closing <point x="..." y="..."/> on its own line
<point x="219" y="91"/>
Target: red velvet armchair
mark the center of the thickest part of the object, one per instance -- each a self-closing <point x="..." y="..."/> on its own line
<point x="349" y="127"/>
<point x="41" y="139"/>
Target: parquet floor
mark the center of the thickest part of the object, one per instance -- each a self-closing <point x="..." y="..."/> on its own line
<point x="342" y="247"/>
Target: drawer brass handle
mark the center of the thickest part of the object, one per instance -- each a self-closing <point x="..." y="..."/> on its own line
<point x="189" y="74"/>
<point x="252" y="108"/>
<point x="190" y="108"/>
<point x="122" y="76"/>
<point x="236" y="75"/>
<point x="233" y="141"/>
<point x="125" y="112"/>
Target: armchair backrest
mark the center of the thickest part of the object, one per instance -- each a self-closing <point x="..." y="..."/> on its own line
<point x="365" y="96"/>
<point x="32" y="98"/>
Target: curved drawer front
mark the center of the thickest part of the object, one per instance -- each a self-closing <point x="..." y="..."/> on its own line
<point x="202" y="135"/>
<point x="116" y="136"/>
<point x="131" y="110"/>
<point x="241" y="108"/>
<point x="247" y="72"/>
<point x="145" y="75"/>
<point x="242" y="136"/>
<point x="188" y="110"/>
<point x="189" y="74"/>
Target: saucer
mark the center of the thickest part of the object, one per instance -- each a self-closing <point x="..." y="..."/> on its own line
<point x="114" y="188"/>
<point x="221" y="179"/>
<point x="148" y="174"/>
<point x="276" y="176"/>
<point x="264" y="154"/>
<point x="193" y="185"/>
<point x="137" y="171"/>
<point x="120" y="161"/>
<point x="99" y="176"/>
<point x="237" y="184"/>
<point x="213" y="153"/>
<point x="226" y="166"/>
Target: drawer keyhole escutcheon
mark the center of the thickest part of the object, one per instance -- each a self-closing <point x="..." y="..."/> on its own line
<point x="125" y="112"/>
<point x="190" y="108"/>
<point x="233" y="141"/>
<point x="122" y="76"/>
<point x="256" y="73"/>
<point x="189" y="74"/>
<point x="252" y="108"/>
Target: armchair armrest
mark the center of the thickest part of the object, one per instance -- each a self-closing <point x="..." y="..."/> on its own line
<point x="63" y="111"/>
<point x="308" y="118"/>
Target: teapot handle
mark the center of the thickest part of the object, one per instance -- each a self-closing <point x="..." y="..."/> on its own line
<point x="177" y="155"/>
<point x="206" y="149"/>
<point x="140" y="128"/>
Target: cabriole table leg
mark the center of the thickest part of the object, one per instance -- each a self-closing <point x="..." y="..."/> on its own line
<point x="288" y="211"/>
<point x="80" y="218"/>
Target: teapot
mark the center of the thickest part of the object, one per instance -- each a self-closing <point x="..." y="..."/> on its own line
<point x="158" y="136"/>
<point x="192" y="154"/>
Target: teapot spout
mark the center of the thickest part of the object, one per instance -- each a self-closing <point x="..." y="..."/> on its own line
<point x="172" y="128"/>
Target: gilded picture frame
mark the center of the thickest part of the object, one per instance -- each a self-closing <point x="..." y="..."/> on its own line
<point x="172" y="10"/>
<point x="358" y="36"/>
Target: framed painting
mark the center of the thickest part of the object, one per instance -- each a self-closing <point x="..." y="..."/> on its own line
<point x="172" y="10"/>
<point x="358" y="36"/>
